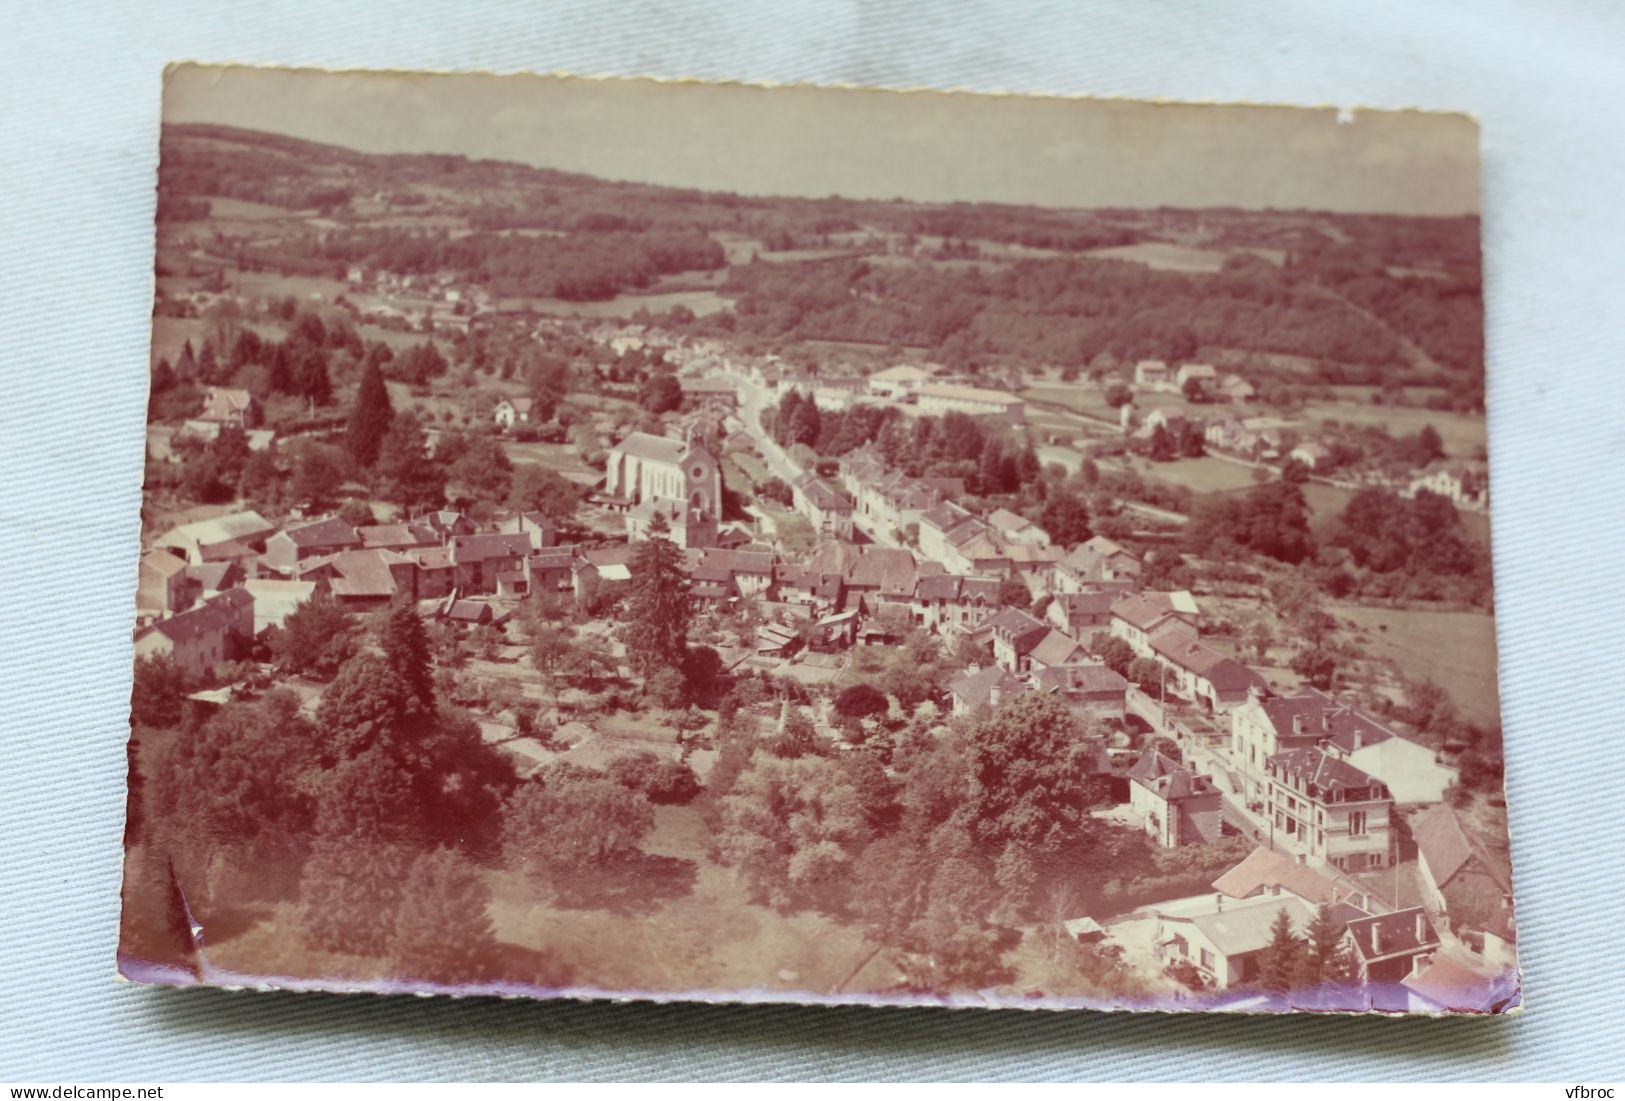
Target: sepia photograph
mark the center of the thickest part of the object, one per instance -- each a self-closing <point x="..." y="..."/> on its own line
<point x="610" y="538"/>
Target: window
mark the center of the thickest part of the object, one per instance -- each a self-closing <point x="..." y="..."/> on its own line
<point x="1207" y="959"/>
<point x="1357" y="823"/>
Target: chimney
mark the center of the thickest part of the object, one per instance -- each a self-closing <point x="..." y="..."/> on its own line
<point x="1421" y="928"/>
<point x="1297" y="724"/>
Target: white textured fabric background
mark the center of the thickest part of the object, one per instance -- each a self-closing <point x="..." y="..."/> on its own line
<point x="79" y="93"/>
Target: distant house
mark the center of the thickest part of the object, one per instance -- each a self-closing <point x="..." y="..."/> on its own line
<point x="604" y="567"/>
<point x="292" y="545"/>
<point x="233" y="408"/>
<point x="1153" y="374"/>
<point x="1202" y="374"/>
<point x="491" y="563"/>
<point x="364" y="578"/>
<point x="898" y="383"/>
<point x="1460" y="877"/>
<point x="716" y="392"/>
<point x="541" y="530"/>
<point x="275" y="601"/>
<point x="947" y="603"/>
<point x="1234" y="388"/>
<point x="1200" y="673"/>
<point x="246" y="529"/>
<point x="988" y="687"/>
<point x="1138" y="615"/>
<point x="436" y="574"/>
<point x="1265" y="871"/>
<point x="837" y="391"/>
<point x="1311" y="455"/>
<point x="1464" y="482"/>
<point x="937" y="397"/>
<point x="1017" y="529"/>
<point x="1093" y="562"/>
<point x="1088" y="687"/>
<point x="827" y="508"/>
<point x="1055" y="650"/>
<point x="1013" y="635"/>
<point x="1082" y="614"/>
<point x="446" y="523"/>
<point x="161" y="586"/>
<point x="217" y="630"/>
<point x="551" y="570"/>
<point x="397" y="537"/>
<point x="512" y="411"/>
<point x="1329" y="811"/>
<point x="1439" y="983"/>
<point x="1178" y="806"/>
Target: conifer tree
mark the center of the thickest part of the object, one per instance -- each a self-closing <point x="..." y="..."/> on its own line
<point x="443" y="930"/>
<point x="370" y="419"/>
<point x="657" y="606"/>
<point x="406" y="647"/>
<point x="1278" y="963"/>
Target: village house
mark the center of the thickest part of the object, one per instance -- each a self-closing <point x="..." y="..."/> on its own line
<point x="1262" y="727"/>
<point x="1087" y="687"/>
<point x="979" y="687"/>
<point x="1017" y="529"/>
<point x="551" y="570"/>
<point x="1224" y="939"/>
<point x="948" y="603"/>
<point x="364" y="579"/>
<point x="1176" y="805"/>
<point x="397" y="537"/>
<point x="837" y="391"/>
<point x="1465" y="483"/>
<point x="230" y="408"/>
<point x="825" y="507"/>
<point x="436" y="574"/>
<point x="963" y="542"/>
<point x="1094" y="562"/>
<point x="1137" y="616"/>
<point x="1202" y="374"/>
<point x="446" y="523"/>
<point x="1311" y="454"/>
<point x="512" y="411"/>
<point x="241" y="530"/>
<point x="1056" y="650"/>
<point x="717" y="393"/>
<point x="935" y="397"/>
<point x="608" y="568"/>
<point x="1386" y="946"/>
<point x="1013" y="635"/>
<point x="210" y="578"/>
<point x="1153" y="374"/>
<point x="220" y="629"/>
<point x="1265" y="871"/>
<point x="1234" y="388"/>
<point x="1082" y="614"/>
<point x="648" y="476"/>
<point x="161" y="587"/>
<point x="1200" y="673"/>
<point x="292" y="545"/>
<point x="750" y="573"/>
<point x="541" y="530"/>
<point x="1329" y="811"/>
<point x="892" y="501"/>
<point x="1461" y="879"/>
<point x="491" y="563"/>
<point x="1441" y="983"/>
<point x="898" y="383"/>
<point x="275" y="600"/>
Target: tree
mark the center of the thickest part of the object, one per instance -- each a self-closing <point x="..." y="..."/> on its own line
<point x="859" y="701"/>
<point x="366" y="705"/>
<point x="1163" y="448"/>
<point x="318" y="472"/>
<point x="159" y="694"/>
<point x="483" y="469"/>
<point x="1194" y="390"/>
<point x="1116" y="653"/>
<point x="442" y="930"/>
<point x="1014" y="593"/>
<point x="350" y="894"/>
<point x="1146" y="674"/>
<point x="536" y="488"/>
<point x="1278" y="962"/>
<point x="1117" y="394"/>
<point x="657" y="605"/>
<point x="661" y="781"/>
<point x="660" y="393"/>
<point x="1429" y="444"/>
<point x="1030" y="787"/>
<point x="1066" y="519"/>
<point x="405" y="473"/>
<point x="316" y="638"/>
<point x="405" y="642"/>
<point x="371" y="417"/>
<point x="1323" y="939"/>
<point x="572" y="827"/>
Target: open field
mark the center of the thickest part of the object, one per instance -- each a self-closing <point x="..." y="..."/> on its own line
<point x="1086" y="401"/>
<point x="1165" y="256"/>
<point x="1204" y="475"/>
<point x="561" y="457"/>
<point x="1455" y="649"/>
<point x="268" y="284"/>
<point x="701" y="302"/>
<point x="1464" y="434"/>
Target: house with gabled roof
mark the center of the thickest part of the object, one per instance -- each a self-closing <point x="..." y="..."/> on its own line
<point x="1012" y="634"/>
<point x="1153" y="374"/>
<point x="161" y="586"/>
<point x="1200" y="673"/>
<point x="1225" y="939"/>
<point x="1461" y="878"/>
<point x="948" y="603"/>
<point x="1082" y="614"/>
<point x="1329" y="811"/>
<point x="1093" y="562"/>
<point x="512" y="411"/>
<point x="312" y="539"/>
<point x="1138" y="615"/>
<point x="979" y="687"/>
<point x="1441" y="983"/>
<point x="1177" y="805"/>
<point x="397" y="537"/>
<point x="229" y="407"/>
<point x="1017" y="529"/>
<point x="246" y="529"/>
<point x="1265" y="871"/>
<point x="200" y="638"/>
<point x="542" y="530"/>
<point x="1385" y="946"/>
<point x="825" y="507"/>
<point x="364" y="578"/>
<point x="493" y="562"/>
<point x="1086" y="687"/>
<point x="446" y="523"/>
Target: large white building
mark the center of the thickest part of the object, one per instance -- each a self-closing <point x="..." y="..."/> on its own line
<point x="679" y="480"/>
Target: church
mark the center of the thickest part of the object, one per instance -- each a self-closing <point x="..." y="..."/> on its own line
<point x="648" y="475"/>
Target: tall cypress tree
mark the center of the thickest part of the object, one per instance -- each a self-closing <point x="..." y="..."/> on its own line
<point x="657" y="608"/>
<point x="406" y="648"/>
<point x="369" y="420"/>
<point x="1278" y="963"/>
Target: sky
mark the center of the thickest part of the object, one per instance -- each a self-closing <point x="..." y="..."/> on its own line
<point x="925" y="146"/>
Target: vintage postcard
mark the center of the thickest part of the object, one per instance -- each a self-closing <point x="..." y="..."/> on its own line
<point x="684" y="541"/>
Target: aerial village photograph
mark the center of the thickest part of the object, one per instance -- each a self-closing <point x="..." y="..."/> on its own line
<point x="613" y="538"/>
